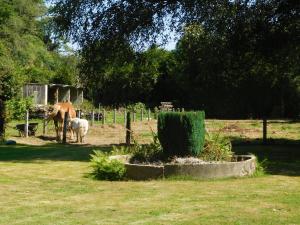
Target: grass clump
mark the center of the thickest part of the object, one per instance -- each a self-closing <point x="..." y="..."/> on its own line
<point x="260" y="169"/>
<point x="105" y="168"/>
<point x="216" y="148"/>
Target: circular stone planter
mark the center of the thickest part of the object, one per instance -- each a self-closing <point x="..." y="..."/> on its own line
<point x="241" y="165"/>
<point x="144" y="172"/>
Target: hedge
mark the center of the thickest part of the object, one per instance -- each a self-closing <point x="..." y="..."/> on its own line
<point x="181" y="133"/>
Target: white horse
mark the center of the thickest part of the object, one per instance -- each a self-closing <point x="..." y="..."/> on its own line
<point x="80" y="127"/>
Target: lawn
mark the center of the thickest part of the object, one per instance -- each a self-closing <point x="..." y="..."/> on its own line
<point x="50" y="185"/>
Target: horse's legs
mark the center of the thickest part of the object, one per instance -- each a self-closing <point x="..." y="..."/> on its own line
<point x="60" y="131"/>
<point x="71" y="134"/>
<point x="77" y="135"/>
<point x="57" y="130"/>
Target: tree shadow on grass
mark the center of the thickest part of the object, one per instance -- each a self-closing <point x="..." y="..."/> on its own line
<point x="236" y="141"/>
<point x="280" y="156"/>
<point x="55" y="152"/>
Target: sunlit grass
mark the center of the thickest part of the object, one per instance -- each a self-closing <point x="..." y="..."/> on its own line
<point x="49" y="185"/>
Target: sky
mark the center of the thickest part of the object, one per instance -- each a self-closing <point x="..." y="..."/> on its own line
<point x="170" y="45"/>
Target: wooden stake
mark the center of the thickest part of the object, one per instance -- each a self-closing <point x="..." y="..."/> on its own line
<point x="133" y="116"/>
<point x="128" y="129"/>
<point x="26" y="123"/>
<point x="65" y="128"/>
<point x="103" y="119"/>
<point x="93" y="115"/>
<point x="142" y="114"/>
<point x="45" y="124"/>
<point x="265" y="131"/>
<point x="115" y="116"/>
<point x="149" y="112"/>
<point x="125" y="115"/>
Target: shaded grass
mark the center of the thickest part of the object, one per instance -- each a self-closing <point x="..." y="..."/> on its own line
<point x="55" y="152"/>
<point x="279" y="159"/>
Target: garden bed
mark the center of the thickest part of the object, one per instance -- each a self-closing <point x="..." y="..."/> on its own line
<point x="241" y="165"/>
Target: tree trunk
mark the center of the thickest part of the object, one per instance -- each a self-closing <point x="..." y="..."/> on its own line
<point x="2" y="120"/>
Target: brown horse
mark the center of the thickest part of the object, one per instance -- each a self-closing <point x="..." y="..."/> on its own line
<point x="57" y="113"/>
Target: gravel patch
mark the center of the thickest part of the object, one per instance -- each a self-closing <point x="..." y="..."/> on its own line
<point x="192" y="160"/>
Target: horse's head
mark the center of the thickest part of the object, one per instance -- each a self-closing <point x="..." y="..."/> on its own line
<point x="51" y="112"/>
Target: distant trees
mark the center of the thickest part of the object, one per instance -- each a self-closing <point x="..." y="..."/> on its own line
<point x="120" y="76"/>
<point x="27" y="53"/>
<point x="234" y="59"/>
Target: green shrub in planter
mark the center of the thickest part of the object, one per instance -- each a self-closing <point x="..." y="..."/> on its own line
<point x="216" y="148"/>
<point x="105" y="168"/>
<point x="147" y="153"/>
<point x="181" y="133"/>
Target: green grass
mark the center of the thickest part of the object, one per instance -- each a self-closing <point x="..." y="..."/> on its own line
<point x="49" y="185"/>
<point x="109" y="117"/>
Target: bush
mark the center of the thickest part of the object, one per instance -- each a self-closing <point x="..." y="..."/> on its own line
<point x="105" y="168"/>
<point x="181" y="133"/>
<point x="144" y="153"/>
<point x="216" y="148"/>
<point x="16" y="108"/>
<point x="147" y="153"/>
<point x="136" y="107"/>
<point x="85" y="106"/>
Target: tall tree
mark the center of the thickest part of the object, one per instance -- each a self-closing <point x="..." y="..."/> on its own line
<point x="26" y="52"/>
<point x="251" y="47"/>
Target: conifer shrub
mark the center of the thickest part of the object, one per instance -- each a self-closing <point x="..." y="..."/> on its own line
<point x="181" y="133"/>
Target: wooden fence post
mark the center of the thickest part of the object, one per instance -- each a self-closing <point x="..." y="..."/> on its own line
<point x="265" y="131"/>
<point x="93" y="115"/>
<point x="142" y="114"/>
<point x="45" y="124"/>
<point x="149" y="114"/>
<point x="65" y="127"/>
<point x="115" y="116"/>
<point x="2" y="120"/>
<point x="128" y="129"/>
<point x="103" y="119"/>
<point x="133" y="116"/>
<point x="26" y="123"/>
<point x="125" y="115"/>
<point x="99" y="112"/>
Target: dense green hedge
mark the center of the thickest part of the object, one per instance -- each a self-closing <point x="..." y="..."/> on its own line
<point x="181" y="133"/>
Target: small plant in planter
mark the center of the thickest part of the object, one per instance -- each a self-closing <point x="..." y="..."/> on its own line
<point x="105" y="168"/>
<point x="147" y="153"/>
<point x="216" y="148"/>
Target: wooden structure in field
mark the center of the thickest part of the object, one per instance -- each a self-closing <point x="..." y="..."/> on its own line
<point x="166" y="106"/>
<point x="44" y="94"/>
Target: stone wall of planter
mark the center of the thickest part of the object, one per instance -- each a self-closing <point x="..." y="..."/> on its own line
<point x="242" y="165"/>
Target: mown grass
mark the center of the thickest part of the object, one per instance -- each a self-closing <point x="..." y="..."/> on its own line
<point x="49" y="185"/>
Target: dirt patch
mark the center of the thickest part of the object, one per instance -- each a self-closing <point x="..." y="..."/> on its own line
<point x="98" y="135"/>
<point x="235" y="128"/>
